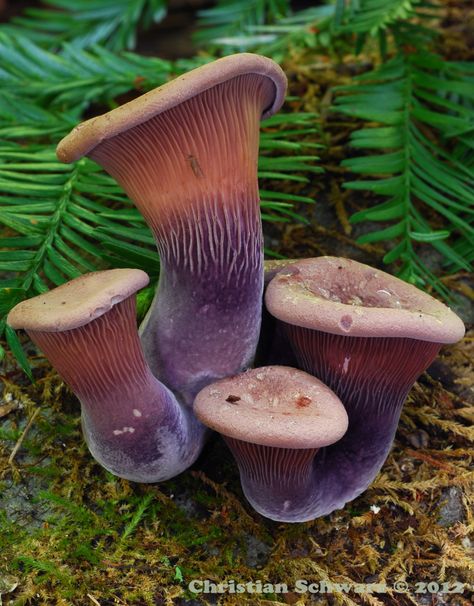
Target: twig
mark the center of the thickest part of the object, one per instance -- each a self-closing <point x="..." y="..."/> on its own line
<point x="337" y="198"/>
<point x="23" y="435"/>
<point x="432" y="461"/>
<point x="93" y="600"/>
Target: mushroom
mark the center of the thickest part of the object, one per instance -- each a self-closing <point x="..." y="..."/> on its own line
<point x="368" y="336"/>
<point x="273" y="266"/>
<point x="186" y="153"/>
<point x="134" y="426"/>
<point x="274" y="420"/>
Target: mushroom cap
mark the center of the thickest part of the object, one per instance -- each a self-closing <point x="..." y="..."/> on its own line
<point x="273" y="406"/>
<point x="345" y="297"/>
<point x="87" y="135"/>
<point x="272" y="266"/>
<point x="77" y="302"/>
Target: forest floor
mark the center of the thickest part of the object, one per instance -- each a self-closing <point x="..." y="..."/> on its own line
<point x="71" y="533"/>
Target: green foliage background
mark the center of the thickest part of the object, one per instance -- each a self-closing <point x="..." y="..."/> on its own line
<point x="67" y="59"/>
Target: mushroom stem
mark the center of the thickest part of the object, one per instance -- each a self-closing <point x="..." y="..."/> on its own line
<point x="373" y="395"/>
<point x="277" y="482"/>
<point x="133" y="424"/>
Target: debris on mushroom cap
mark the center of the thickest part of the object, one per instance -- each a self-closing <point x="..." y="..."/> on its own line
<point x="77" y="302"/>
<point x="87" y="135"/>
<point x="273" y="266"/>
<point x="273" y="406"/>
<point x="345" y="297"/>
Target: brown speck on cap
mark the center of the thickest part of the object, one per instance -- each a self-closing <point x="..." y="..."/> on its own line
<point x="281" y="407"/>
<point x="303" y="401"/>
<point x="232" y="399"/>
<point x="86" y="136"/>
<point x="77" y="302"/>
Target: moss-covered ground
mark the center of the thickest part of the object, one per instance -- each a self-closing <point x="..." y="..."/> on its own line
<point x="71" y="533"/>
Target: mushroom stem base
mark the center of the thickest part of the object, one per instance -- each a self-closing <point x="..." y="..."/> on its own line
<point x="158" y="451"/>
<point x="277" y="482"/>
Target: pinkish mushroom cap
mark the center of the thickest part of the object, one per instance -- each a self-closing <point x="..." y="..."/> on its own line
<point x="273" y="266"/>
<point x="89" y="134"/>
<point x="274" y="406"/>
<point x="77" y="302"/>
<point x="348" y="298"/>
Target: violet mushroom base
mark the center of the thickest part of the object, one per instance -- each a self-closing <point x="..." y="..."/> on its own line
<point x="277" y="482"/>
<point x="160" y="449"/>
<point x="372" y="377"/>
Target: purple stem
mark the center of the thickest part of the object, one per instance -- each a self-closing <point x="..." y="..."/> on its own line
<point x="205" y="319"/>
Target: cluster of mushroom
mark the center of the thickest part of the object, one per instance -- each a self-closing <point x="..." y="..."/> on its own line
<point x="306" y="439"/>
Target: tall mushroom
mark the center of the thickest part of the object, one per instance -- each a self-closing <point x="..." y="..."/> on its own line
<point x="368" y="336"/>
<point x="186" y="153"/>
<point x="133" y="424"/>
<point x="275" y="419"/>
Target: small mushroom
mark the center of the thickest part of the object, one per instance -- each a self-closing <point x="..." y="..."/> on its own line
<point x="186" y="153"/>
<point x="368" y="336"/>
<point x="133" y="424"/>
<point x="281" y="419"/>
